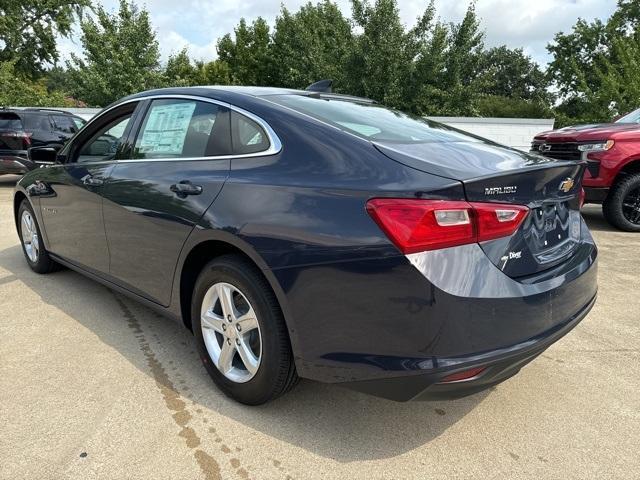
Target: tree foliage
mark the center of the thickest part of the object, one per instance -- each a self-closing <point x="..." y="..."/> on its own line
<point x="28" y="31"/>
<point x="120" y="57"/>
<point x="181" y="71"/>
<point x="310" y="44"/>
<point x="248" y="54"/>
<point x="429" y="68"/>
<point x="17" y="91"/>
<point x="378" y="63"/>
<point x="596" y="66"/>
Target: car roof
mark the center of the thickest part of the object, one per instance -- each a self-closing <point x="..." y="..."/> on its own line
<point x="31" y="110"/>
<point x="230" y="91"/>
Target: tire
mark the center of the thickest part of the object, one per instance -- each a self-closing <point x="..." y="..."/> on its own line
<point x="625" y="192"/>
<point x="31" y="240"/>
<point x="234" y="277"/>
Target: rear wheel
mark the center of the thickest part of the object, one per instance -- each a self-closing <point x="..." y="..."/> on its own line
<point x="621" y="208"/>
<point x="31" y="239"/>
<point x="240" y="331"/>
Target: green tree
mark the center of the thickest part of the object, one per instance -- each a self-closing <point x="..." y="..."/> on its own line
<point x="595" y="67"/>
<point x="463" y="57"/>
<point x="120" y="56"/>
<point x="180" y="71"/>
<point x="248" y="53"/>
<point x="309" y="45"/>
<point x="28" y="31"/>
<point x="378" y="65"/>
<point x="17" y="91"/>
<point x="510" y="73"/>
<point x="445" y="79"/>
<point x="216" y="72"/>
<point x="512" y="85"/>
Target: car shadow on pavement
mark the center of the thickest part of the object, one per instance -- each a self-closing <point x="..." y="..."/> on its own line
<point x="327" y="420"/>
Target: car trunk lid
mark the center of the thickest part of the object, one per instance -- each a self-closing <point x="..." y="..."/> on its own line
<point x="495" y="174"/>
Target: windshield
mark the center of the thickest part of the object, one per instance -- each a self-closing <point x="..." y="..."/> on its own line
<point x="372" y="122"/>
<point x="10" y="121"/>
<point x="633" y="117"/>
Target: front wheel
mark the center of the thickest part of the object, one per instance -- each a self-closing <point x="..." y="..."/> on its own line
<point x="621" y="208"/>
<point x="240" y="331"/>
<point x="31" y="239"/>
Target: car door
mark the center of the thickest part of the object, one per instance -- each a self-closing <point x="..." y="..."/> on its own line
<point x="72" y="209"/>
<point x="178" y="165"/>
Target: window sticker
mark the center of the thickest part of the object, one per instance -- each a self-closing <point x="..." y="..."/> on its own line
<point x="166" y="128"/>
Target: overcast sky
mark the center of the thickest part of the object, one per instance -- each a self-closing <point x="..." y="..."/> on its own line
<point x="197" y="24"/>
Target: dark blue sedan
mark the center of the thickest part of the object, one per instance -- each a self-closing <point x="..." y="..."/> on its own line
<point x="315" y="235"/>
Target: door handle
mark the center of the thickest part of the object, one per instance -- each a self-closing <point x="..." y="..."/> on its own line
<point x="92" y="181"/>
<point x="184" y="188"/>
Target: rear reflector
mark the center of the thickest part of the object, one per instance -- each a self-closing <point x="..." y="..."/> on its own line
<point x="461" y="376"/>
<point x="416" y="225"/>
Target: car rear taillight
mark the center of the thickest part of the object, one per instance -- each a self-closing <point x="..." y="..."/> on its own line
<point x="416" y="225"/>
<point x="24" y="136"/>
<point x="497" y="221"/>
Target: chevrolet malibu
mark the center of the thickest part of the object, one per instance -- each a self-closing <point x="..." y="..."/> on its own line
<point x="315" y="235"/>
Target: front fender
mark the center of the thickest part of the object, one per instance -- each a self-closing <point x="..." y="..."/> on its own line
<point x="28" y="187"/>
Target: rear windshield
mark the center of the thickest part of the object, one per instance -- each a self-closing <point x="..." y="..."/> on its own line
<point x="10" y="121"/>
<point x="372" y="122"/>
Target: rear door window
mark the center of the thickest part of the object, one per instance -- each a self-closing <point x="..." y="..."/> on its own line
<point x="36" y="122"/>
<point x="177" y="128"/>
<point x="64" y="124"/>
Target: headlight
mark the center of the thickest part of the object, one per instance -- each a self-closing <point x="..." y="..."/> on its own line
<point x="596" y="147"/>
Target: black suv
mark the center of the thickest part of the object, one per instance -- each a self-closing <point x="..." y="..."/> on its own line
<point x="21" y="129"/>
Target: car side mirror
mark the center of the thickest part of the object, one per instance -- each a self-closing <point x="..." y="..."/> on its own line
<point x="43" y="155"/>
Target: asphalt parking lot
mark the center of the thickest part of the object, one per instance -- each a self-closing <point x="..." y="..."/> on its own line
<point x="93" y="385"/>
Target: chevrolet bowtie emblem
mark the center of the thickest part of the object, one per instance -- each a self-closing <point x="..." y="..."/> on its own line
<point x="567" y="184"/>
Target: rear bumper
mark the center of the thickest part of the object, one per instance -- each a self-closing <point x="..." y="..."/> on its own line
<point x="499" y="365"/>
<point x="13" y="164"/>
<point x="395" y="327"/>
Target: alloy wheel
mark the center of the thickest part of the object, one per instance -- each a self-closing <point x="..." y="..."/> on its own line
<point x="30" y="238"/>
<point x="631" y="206"/>
<point x="231" y="332"/>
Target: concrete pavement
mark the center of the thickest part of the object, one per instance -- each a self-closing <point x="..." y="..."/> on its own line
<point x="93" y="385"/>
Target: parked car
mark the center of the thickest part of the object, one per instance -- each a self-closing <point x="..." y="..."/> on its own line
<point x="307" y="234"/>
<point x="612" y="153"/>
<point x="21" y="129"/>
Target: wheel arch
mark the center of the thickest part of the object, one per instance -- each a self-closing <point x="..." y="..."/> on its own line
<point x="18" y="198"/>
<point x="630" y="167"/>
<point x="204" y="247"/>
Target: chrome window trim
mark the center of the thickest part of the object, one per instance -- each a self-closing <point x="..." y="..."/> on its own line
<point x="275" y="145"/>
